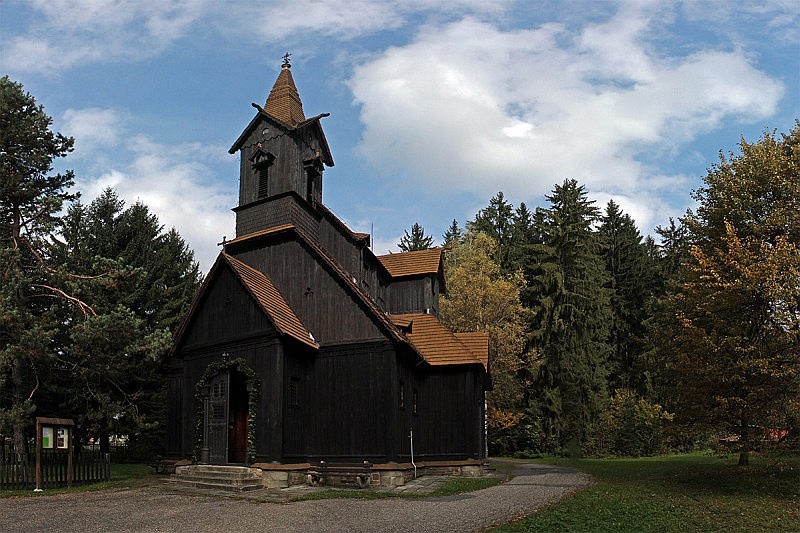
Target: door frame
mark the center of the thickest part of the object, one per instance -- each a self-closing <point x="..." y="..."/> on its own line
<point x="202" y="451"/>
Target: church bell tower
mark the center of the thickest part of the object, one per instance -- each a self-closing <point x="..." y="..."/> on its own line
<point x="282" y="157"/>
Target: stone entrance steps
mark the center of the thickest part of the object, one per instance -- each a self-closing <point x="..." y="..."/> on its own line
<point x="215" y="478"/>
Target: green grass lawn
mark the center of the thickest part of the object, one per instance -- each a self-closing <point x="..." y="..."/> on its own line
<point x="677" y="493"/>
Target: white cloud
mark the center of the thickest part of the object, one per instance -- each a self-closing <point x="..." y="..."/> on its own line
<point x="66" y="33"/>
<point x="92" y="127"/>
<point x="468" y="106"/>
<point x="177" y="184"/>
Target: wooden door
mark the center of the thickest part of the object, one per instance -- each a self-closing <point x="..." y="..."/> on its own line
<point x="238" y="398"/>
<point x="218" y="419"/>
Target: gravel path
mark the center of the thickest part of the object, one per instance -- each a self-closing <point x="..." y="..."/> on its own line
<point x="150" y="509"/>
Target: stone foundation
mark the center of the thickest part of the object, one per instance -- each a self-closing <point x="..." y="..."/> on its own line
<point x="280" y="476"/>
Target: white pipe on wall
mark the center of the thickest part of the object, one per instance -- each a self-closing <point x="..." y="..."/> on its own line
<point x="411" y="436"/>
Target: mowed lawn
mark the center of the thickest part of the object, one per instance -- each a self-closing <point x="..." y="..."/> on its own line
<point x="677" y="493"/>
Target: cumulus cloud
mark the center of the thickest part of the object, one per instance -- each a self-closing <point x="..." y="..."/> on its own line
<point x="177" y="184"/>
<point x="470" y="106"/>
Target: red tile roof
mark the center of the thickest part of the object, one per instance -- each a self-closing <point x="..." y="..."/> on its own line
<point x="412" y="263"/>
<point x="478" y="344"/>
<point x="271" y="301"/>
<point x="437" y="344"/>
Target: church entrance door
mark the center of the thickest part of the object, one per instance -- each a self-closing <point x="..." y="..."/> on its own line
<point x="228" y="418"/>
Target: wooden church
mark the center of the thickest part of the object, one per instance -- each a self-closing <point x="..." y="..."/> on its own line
<point x="301" y="344"/>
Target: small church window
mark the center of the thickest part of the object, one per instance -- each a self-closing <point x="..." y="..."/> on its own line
<point x="294" y="392"/>
<point x="313" y="168"/>
<point x="262" y="160"/>
<point x="263" y="181"/>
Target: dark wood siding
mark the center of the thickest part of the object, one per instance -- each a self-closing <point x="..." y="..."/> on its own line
<point x="286" y="173"/>
<point x="328" y="310"/>
<point x="227" y="312"/>
<point x="343" y="407"/>
<point x="344" y="251"/>
<point x="413" y="295"/>
<point x="449" y="418"/>
<point x="277" y="211"/>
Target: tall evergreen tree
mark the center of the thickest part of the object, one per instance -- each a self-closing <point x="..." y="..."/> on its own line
<point x="497" y="221"/>
<point x="30" y="200"/>
<point x="416" y="240"/>
<point x="674" y="248"/>
<point x="453" y="235"/>
<point x="570" y="311"/>
<point x="522" y="236"/>
<point x="141" y="279"/>
<point x="632" y="282"/>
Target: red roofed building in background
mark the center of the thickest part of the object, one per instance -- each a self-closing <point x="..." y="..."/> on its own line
<point x="302" y="345"/>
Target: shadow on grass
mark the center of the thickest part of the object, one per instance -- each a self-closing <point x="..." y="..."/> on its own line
<point x="694" y="492"/>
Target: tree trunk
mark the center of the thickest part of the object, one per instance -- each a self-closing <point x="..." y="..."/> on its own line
<point x="18" y="420"/>
<point x="744" y="441"/>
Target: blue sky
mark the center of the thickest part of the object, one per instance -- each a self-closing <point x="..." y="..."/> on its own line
<point x="435" y="106"/>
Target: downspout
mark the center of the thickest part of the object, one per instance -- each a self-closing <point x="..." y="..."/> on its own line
<point x="411" y="436"/>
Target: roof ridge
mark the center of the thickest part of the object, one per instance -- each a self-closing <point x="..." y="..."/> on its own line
<point x="377" y="311"/>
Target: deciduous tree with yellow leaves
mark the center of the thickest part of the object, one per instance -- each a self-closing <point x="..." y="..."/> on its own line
<point x="481" y="298"/>
<point x="733" y="319"/>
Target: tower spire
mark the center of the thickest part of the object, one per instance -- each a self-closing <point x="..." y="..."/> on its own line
<point x="284" y="101"/>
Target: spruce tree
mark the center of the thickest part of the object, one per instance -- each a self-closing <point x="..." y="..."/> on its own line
<point x="496" y="220"/>
<point x="632" y="282"/>
<point x="569" y="315"/>
<point x="453" y="235"/>
<point x="416" y="240"/>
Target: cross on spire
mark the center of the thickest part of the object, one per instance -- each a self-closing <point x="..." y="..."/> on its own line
<point x="286" y="63"/>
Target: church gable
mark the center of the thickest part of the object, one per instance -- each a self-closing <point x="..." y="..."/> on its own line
<point x="237" y="301"/>
<point x="324" y="298"/>
<point x="224" y="311"/>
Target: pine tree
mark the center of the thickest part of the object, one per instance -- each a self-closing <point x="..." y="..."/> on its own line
<point x="416" y="240"/>
<point x="570" y="312"/>
<point x="453" y="235"/>
<point x="141" y="279"/>
<point x="30" y="200"/>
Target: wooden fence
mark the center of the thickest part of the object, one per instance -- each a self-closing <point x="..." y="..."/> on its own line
<point x="20" y="473"/>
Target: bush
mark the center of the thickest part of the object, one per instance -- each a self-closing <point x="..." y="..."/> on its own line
<point x="630" y="426"/>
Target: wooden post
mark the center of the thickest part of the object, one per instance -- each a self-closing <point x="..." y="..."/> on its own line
<point x="69" y="456"/>
<point x="38" y="456"/>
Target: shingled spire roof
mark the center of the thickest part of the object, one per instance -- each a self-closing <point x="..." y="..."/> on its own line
<point x="283" y="101"/>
